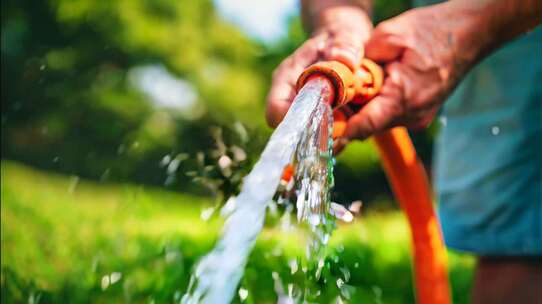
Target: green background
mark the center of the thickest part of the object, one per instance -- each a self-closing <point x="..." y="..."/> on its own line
<point x="85" y="192"/>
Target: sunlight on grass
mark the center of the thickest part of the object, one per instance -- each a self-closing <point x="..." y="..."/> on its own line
<point x="92" y="242"/>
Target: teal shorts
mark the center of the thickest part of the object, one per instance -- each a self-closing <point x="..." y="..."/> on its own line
<point x="488" y="155"/>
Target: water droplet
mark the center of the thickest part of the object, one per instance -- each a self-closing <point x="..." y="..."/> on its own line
<point x="74" y="181"/>
<point x="105" y="175"/>
<point x="121" y="149"/>
<point x="228" y="207"/>
<point x="42" y="67"/>
<point x="443" y="120"/>
<point x="165" y="160"/>
<point x="243" y="294"/>
<point x="114" y="277"/>
<point x="171" y="256"/>
<point x="293" y="266"/>
<point x="34" y="298"/>
<point x="170" y="179"/>
<point x="321" y="263"/>
<point x="377" y="291"/>
<point x="314" y="219"/>
<point x="207" y="213"/>
<point x="325" y="238"/>
<point x="290" y="290"/>
<point x="495" y="130"/>
<point x="355" y="207"/>
<point x="319" y="269"/>
<point x="238" y="153"/>
<point x="224" y="162"/>
<point x="341" y="213"/>
<point x="105" y="282"/>
<point x="177" y="296"/>
<point x="356" y="265"/>
<point x="173" y="166"/>
<point x="346" y="273"/>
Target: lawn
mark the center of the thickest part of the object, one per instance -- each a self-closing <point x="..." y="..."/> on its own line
<point x="66" y="240"/>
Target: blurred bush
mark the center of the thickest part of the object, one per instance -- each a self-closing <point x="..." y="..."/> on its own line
<point x="135" y="90"/>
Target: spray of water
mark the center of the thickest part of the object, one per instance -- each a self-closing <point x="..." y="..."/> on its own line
<point x="217" y="275"/>
<point x="313" y="182"/>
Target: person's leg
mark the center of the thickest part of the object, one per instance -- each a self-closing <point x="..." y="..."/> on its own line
<point x="508" y="280"/>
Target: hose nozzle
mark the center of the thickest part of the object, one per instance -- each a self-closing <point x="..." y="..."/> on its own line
<point x="356" y="87"/>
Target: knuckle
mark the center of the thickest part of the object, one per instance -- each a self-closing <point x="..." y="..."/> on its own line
<point x="386" y="27"/>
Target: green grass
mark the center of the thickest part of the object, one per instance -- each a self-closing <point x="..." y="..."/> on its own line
<point x="61" y="238"/>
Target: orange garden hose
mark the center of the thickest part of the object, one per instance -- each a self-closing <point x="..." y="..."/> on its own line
<point x="403" y="168"/>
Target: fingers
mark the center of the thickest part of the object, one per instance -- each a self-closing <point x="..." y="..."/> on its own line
<point x="282" y="90"/>
<point x="345" y="47"/>
<point x="386" y="44"/>
<point x="395" y="105"/>
<point x="281" y="93"/>
<point x="383" y="112"/>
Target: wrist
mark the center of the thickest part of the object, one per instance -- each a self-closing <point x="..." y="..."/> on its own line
<point x="472" y="28"/>
<point x="336" y="17"/>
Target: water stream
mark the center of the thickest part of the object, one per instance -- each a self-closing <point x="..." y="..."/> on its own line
<point x="302" y="138"/>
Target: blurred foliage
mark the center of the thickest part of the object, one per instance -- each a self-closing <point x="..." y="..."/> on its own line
<point x="66" y="240"/>
<point x="384" y="9"/>
<point x="73" y="102"/>
<point x="70" y="102"/>
<point x="67" y="103"/>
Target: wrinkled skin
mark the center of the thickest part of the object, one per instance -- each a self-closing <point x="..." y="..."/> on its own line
<point x="425" y="52"/>
<point x="339" y="36"/>
<point x="424" y="55"/>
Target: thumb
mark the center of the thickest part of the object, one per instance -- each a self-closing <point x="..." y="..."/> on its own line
<point x="381" y="113"/>
<point x="384" y="45"/>
<point x="346" y="48"/>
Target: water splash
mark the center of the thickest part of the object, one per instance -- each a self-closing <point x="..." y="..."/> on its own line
<point x="218" y="273"/>
<point x="313" y="182"/>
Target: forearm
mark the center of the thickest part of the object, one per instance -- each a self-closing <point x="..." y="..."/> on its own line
<point x="318" y="14"/>
<point x="495" y="22"/>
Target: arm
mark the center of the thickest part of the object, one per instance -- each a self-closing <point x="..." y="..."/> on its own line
<point x="338" y="28"/>
<point x="317" y="13"/>
<point x="495" y="22"/>
<point x="427" y="51"/>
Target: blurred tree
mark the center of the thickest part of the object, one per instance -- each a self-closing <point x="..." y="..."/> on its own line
<point x="67" y="102"/>
<point x="87" y="89"/>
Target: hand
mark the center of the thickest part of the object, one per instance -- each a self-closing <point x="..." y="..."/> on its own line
<point x="340" y="36"/>
<point x="425" y="53"/>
